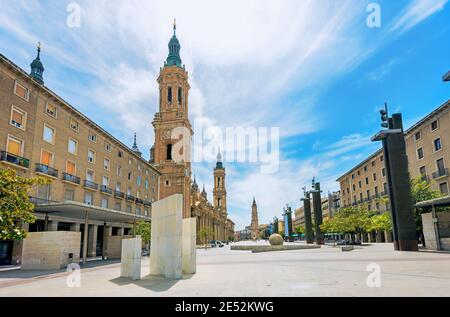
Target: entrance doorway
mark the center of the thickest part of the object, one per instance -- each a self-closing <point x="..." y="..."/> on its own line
<point x="6" y="248"/>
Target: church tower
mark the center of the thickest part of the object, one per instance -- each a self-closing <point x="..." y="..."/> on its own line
<point x="173" y="131"/>
<point x="254" y="225"/>
<point x="219" y="192"/>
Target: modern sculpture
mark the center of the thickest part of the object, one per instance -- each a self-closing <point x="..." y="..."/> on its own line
<point x="317" y="205"/>
<point x="307" y="212"/>
<point x="398" y="180"/>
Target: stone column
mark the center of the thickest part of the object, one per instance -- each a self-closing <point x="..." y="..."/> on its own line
<point x="308" y="221"/>
<point x="317" y="204"/>
<point x="120" y="231"/>
<point x="92" y="241"/>
<point x="52" y="225"/>
<point x="388" y="236"/>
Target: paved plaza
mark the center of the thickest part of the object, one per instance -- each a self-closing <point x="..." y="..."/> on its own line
<point x="221" y="272"/>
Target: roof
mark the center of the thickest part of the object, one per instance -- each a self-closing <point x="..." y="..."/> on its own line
<point x="12" y="65"/>
<point x="438" y="110"/>
<point x="437" y="202"/>
<point x="362" y="163"/>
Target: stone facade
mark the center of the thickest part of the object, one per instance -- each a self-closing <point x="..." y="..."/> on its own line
<point x="254" y="226"/>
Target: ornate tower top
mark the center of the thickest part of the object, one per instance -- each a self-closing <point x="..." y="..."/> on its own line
<point x="37" y="68"/>
<point x="174" y="58"/>
<point x="254" y="202"/>
<point x="219" y="164"/>
<point x="204" y="194"/>
<point x="194" y="185"/>
<point x="135" y="147"/>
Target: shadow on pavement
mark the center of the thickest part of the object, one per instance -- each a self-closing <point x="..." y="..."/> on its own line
<point x="150" y="282"/>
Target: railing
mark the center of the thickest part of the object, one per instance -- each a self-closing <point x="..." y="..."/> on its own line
<point x="119" y="194"/>
<point x="71" y="178"/>
<point x="14" y="159"/>
<point x="89" y="184"/>
<point x="105" y="189"/>
<point x="44" y="169"/>
<point x="139" y="201"/>
<point x="440" y="173"/>
<point x="131" y="198"/>
<point x="147" y="203"/>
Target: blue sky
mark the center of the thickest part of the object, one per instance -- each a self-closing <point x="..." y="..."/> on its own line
<point x="312" y="68"/>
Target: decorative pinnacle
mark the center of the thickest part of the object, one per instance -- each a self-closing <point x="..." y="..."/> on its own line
<point x="174" y="26"/>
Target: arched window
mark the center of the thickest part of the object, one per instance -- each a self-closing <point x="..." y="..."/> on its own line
<point x="169" y="95"/>
<point x="180" y="95"/>
<point x="169" y="152"/>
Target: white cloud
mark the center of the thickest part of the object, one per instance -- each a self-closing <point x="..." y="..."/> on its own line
<point x="416" y="12"/>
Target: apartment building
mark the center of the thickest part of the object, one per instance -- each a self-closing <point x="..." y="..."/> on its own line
<point x="90" y="170"/>
<point x="428" y="148"/>
<point x="365" y="183"/>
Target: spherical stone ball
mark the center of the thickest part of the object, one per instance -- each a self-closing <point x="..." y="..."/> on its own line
<point x="276" y="239"/>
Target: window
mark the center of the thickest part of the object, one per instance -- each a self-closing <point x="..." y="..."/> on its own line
<point x="72" y="146"/>
<point x="376" y="191"/>
<point x="129" y="208"/>
<point x="139" y="180"/>
<point x="88" y="198"/>
<point x="21" y="91"/>
<point x="146" y="184"/>
<point x="70" y="168"/>
<point x="92" y="137"/>
<point x="374" y="177"/>
<point x="437" y="144"/>
<point x="18" y="118"/>
<point x="382" y="158"/>
<point x="130" y="161"/>
<point x="146" y="172"/>
<point x="49" y="134"/>
<point x="360" y="197"/>
<point x="14" y="146"/>
<point x="385" y="188"/>
<point x="46" y="158"/>
<point x="180" y="95"/>
<point x="440" y="166"/>
<point x="138" y="210"/>
<point x="90" y="175"/>
<point x="50" y="109"/>
<point x="139" y="167"/>
<point x="91" y="156"/>
<point x="417" y="136"/>
<point x="105" y="181"/>
<point x="129" y="176"/>
<point x="383" y="172"/>
<point x="119" y="153"/>
<point x="118" y="187"/>
<point x="359" y="184"/>
<point x="106" y="164"/>
<point x="104" y="203"/>
<point x="43" y="192"/>
<point x="69" y="194"/>
<point x="443" y="187"/>
<point x="420" y="154"/>
<point x="354" y="188"/>
<point x="365" y="168"/>
<point x="118" y="206"/>
<point x="146" y="210"/>
<point x="107" y="147"/>
<point x="74" y="125"/>
<point x="169" y="95"/>
<point x="367" y="180"/>
<point x="169" y="152"/>
<point x="422" y="171"/>
<point x="368" y="194"/>
<point x="373" y="163"/>
<point x="119" y="170"/>
<point x="434" y="125"/>
<point x="138" y="194"/>
<point x="129" y="191"/>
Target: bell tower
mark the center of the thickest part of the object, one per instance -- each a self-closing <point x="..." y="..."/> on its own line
<point x="219" y="192"/>
<point x="173" y="131"/>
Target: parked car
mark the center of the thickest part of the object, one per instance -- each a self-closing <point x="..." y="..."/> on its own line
<point x="216" y="244"/>
<point x="349" y="242"/>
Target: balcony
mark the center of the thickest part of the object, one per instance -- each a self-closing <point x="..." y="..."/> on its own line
<point x="147" y="203"/>
<point x="139" y="201"/>
<point x="119" y="194"/>
<point x="131" y="198"/>
<point x="440" y="173"/>
<point x="90" y="185"/>
<point x="71" y="178"/>
<point x="47" y="170"/>
<point x="14" y="159"/>
<point x="104" y="189"/>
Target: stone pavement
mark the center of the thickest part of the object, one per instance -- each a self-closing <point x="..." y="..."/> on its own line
<point x="221" y="272"/>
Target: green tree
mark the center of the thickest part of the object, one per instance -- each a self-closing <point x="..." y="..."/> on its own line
<point x="351" y="220"/>
<point x="381" y="222"/>
<point x="300" y="230"/>
<point x="144" y="229"/>
<point x="204" y="235"/>
<point x="15" y="205"/>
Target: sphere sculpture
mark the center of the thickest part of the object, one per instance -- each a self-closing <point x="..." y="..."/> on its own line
<point x="276" y="239"/>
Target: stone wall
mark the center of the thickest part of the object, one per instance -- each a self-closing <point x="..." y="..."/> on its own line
<point x="114" y="246"/>
<point x="50" y="250"/>
<point x="443" y="227"/>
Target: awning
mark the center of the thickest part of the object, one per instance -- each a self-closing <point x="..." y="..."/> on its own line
<point x="437" y="202"/>
<point x="76" y="210"/>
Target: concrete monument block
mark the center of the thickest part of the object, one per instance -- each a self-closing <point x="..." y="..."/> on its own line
<point x="189" y="238"/>
<point x="166" y="237"/>
<point x="130" y="266"/>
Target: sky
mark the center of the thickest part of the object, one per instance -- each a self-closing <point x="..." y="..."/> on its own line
<point x="313" y="69"/>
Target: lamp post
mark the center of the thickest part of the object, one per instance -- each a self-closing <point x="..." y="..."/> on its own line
<point x="396" y="164"/>
<point x="446" y="76"/>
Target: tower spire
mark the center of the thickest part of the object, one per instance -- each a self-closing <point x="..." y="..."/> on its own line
<point x="37" y="68"/>
<point x="135" y="147"/>
<point x="219" y="163"/>
<point x="174" y="58"/>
